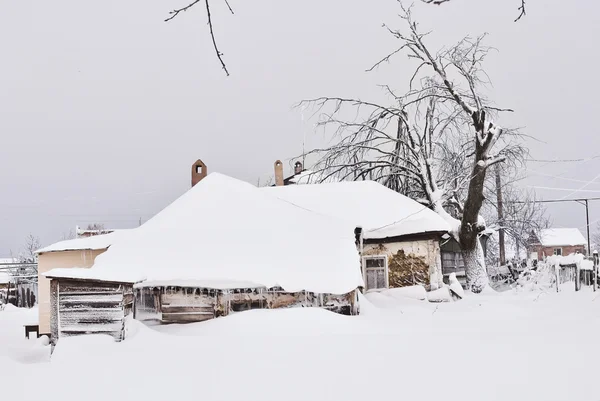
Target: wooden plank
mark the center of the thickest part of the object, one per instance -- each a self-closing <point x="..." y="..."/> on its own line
<point x="187" y="309"/>
<point x="89" y="286"/>
<point x="90" y="318"/>
<point x="114" y="334"/>
<point x="68" y="299"/>
<point x="185" y="318"/>
<point x="54" y="313"/>
<point x="96" y="328"/>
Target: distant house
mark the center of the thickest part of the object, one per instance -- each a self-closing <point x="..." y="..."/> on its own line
<point x="76" y="253"/>
<point x="556" y="241"/>
<point x="81" y="233"/>
<point x="223" y="246"/>
<point x="401" y="238"/>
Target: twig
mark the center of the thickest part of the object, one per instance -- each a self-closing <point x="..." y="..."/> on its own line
<point x="212" y="35"/>
<point x="522" y="9"/>
<point x="229" y="7"/>
<point x="176" y="12"/>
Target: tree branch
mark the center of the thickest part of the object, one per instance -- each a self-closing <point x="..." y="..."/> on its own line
<point x="176" y="12"/>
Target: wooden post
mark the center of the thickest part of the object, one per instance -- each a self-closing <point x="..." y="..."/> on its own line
<point x="54" y="318"/>
<point x="500" y="216"/>
<point x="595" y="274"/>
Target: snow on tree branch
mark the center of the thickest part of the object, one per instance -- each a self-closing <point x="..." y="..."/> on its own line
<point x="433" y="143"/>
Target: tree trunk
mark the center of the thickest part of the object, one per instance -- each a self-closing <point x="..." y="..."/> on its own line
<point x="477" y="277"/>
<point x="470" y="226"/>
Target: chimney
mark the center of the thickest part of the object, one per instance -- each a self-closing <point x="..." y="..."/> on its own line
<point x="298" y="168"/>
<point x="199" y="171"/>
<point x="278" y="173"/>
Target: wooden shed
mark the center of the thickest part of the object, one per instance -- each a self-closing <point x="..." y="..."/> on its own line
<point x="80" y="306"/>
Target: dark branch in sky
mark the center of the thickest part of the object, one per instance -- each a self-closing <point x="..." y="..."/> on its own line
<point x="176" y="12"/>
<point x="522" y="12"/>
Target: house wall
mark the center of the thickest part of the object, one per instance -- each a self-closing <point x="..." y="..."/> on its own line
<point x="52" y="260"/>
<point x="545" y="251"/>
<point x="410" y="262"/>
<point x="89" y="307"/>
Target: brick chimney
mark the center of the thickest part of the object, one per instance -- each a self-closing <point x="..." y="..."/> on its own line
<point x="298" y="168"/>
<point x="199" y="171"/>
<point x="278" y="173"/>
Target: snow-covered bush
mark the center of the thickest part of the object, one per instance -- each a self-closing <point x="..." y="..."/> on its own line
<point x="541" y="279"/>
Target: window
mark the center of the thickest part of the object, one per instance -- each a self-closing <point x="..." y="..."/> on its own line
<point x="199" y="169"/>
<point x="452" y="262"/>
<point x="376" y="272"/>
<point x="558" y="251"/>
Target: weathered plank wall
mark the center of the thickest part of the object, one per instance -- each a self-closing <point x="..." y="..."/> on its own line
<point x="184" y="305"/>
<point x="181" y="305"/>
<point x="86" y="307"/>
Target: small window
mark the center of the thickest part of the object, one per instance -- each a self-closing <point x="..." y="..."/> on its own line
<point x="199" y="169"/>
<point x="558" y="251"/>
<point x="376" y="272"/>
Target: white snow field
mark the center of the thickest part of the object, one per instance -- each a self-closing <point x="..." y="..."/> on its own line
<point x="526" y="345"/>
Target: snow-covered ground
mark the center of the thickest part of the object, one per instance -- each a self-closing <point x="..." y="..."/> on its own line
<point x="494" y="346"/>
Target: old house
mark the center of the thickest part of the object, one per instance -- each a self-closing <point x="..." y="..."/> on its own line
<point x="75" y="253"/>
<point x="223" y="246"/>
<point x="400" y="237"/>
<point x="556" y="241"/>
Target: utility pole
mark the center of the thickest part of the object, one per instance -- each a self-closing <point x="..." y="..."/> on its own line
<point x="501" y="217"/>
<point x="587" y="219"/>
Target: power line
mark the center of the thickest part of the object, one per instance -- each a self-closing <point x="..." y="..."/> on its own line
<point x="554" y="200"/>
<point x="572" y="190"/>
<point x="563" y="160"/>
<point x="558" y="177"/>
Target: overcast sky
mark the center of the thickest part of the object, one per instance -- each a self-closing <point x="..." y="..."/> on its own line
<point x="104" y="107"/>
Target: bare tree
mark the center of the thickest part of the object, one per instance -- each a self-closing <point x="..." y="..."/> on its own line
<point x="523" y="215"/>
<point x="69" y="235"/>
<point x="95" y="227"/>
<point x="596" y="238"/>
<point x="175" y="12"/>
<point x="28" y="255"/>
<point x="435" y="143"/>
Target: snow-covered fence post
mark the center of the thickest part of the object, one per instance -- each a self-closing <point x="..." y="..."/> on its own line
<point x="595" y="274"/>
<point x="556" y="266"/>
<point x="578" y="276"/>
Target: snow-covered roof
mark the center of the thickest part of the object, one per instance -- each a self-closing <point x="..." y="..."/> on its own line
<point x="79" y="232"/>
<point x="93" y="242"/>
<point x="229" y="231"/>
<point x="4" y="261"/>
<point x="380" y="211"/>
<point x="561" y="237"/>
